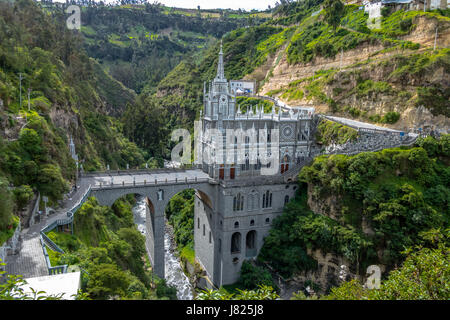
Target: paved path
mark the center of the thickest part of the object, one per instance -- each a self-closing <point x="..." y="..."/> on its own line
<point x="30" y="261"/>
<point x="359" y="124"/>
<point x="149" y="177"/>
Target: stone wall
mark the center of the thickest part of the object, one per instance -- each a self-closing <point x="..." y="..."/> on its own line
<point x="11" y="246"/>
<point x="34" y="211"/>
<point x="371" y="141"/>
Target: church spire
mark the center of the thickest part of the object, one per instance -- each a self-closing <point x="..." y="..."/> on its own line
<point x="220" y="67"/>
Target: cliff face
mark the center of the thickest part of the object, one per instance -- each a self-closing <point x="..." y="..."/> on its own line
<point x="331" y="84"/>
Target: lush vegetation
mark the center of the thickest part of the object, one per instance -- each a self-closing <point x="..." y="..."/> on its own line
<point x="110" y="252"/>
<point x="246" y="102"/>
<point x="139" y="45"/>
<point x="180" y="213"/>
<point x="423" y="276"/>
<point x="262" y="293"/>
<point x="329" y="132"/>
<point x="402" y="195"/>
<point x="70" y="95"/>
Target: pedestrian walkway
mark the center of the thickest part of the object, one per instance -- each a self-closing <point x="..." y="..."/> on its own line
<point x="30" y="261"/>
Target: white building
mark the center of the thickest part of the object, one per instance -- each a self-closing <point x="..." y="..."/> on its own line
<point x="240" y="87"/>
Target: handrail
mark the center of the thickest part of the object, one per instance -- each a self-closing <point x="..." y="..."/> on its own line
<point x="125" y="172"/>
<point x="149" y="183"/>
<point x="45" y="240"/>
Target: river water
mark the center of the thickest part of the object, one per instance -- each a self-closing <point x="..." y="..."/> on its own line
<point x="174" y="272"/>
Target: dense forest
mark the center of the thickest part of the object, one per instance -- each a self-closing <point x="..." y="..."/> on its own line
<point x="69" y="95"/>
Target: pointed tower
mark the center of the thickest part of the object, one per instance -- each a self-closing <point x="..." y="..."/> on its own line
<point x="220" y="77"/>
<point x="219" y="102"/>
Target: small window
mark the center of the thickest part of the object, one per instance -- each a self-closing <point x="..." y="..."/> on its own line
<point x="286" y="200"/>
<point x="198" y="223"/>
<point x="235" y="260"/>
<point x="210" y="237"/>
<point x="236" y="225"/>
<point x="204" y="230"/>
<point x="252" y="222"/>
<point x="267" y="220"/>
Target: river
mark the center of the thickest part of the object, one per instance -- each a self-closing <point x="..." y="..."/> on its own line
<point x="174" y="272"/>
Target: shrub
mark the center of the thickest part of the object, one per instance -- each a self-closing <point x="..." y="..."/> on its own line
<point x="253" y="276"/>
<point x="390" y="117"/>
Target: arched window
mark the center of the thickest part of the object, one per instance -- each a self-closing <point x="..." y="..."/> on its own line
<point x="236" y="225"/>
<point x="267" y="199"/>
<point x="253" y="201"/>
<point x="252" y="222"/>
<point x="246" y="166"/>
<point x="250" y="244"/>
<point x="238" y="202"/>
<point x="258" y="164"/>
<point x="267" y="220"/>
<point x="236" y="243"/>
<point x="286" y="200"/>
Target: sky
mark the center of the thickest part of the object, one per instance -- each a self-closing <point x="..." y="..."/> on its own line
<point x="224" y="4"/>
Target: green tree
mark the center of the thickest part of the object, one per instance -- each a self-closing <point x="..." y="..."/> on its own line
<point x="425" y="275"/>
<point x="334" y="10"/>
<point x="107" y="281"/>
<point x="51" y="182"/>
<point x="31" y="142"/>
<point x="253" y="276"/>
<point x="23" y="195"/>
<point x="6" y="204"/>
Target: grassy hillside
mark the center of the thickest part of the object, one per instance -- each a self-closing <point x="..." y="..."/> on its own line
<point x="140" y="44"/>
<point x="365" y="73"/>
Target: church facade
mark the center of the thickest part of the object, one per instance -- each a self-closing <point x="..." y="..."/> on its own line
<point x="231" y="227"/>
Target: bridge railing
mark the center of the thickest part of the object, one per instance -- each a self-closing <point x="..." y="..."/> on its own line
<point x="131" y="171"/>
<point x="150" y="183"/>
<point x="46" y="241"/>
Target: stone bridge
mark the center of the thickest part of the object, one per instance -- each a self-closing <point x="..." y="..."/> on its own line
<point x="158" y="187"/>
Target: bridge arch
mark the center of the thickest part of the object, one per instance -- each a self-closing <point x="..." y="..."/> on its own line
<point x="205" y="236"/>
